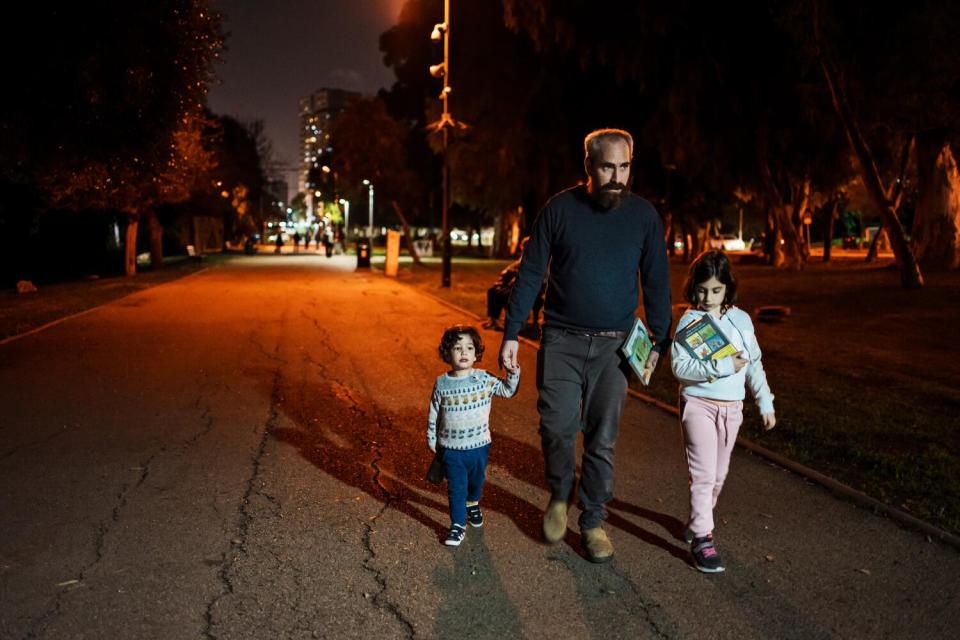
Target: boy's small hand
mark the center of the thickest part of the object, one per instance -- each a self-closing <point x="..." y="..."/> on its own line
<point x="769" y="421"/>
<point x="508" y="355"/>
<point x="739" y="362"/>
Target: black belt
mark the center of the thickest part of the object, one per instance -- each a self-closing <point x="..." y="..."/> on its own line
<point x="620" y="335"/>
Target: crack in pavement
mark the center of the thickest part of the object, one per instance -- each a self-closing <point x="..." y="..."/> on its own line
<point x="344" y="393"/>
<point x="613" y="582"/>
<point x="33" y="443"/>
<point x="324" y="335"/>
<point x="370" y="561"/>
<point x="238" y="544"/>
<point x="103" y="530"/>
<point x="204" y="416"/>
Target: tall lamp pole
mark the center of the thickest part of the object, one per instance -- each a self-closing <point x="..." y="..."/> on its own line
<point x="370" y="209"/>
<point x="346" y="221"/>
<point x="442" y="32"/>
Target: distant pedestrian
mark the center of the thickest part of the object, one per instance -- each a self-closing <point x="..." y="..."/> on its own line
<point x="278" y="242"/>
<point x="711" y="398"/>
<point x="459" y="424"/>
<point x="296" y="242"/>
<point x="328" y="241"/>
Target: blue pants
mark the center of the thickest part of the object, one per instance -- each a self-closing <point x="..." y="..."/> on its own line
<point x="466" y="471"/>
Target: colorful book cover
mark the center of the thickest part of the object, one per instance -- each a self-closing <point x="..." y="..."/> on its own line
<point x="704" y="340"/>
<point x="636" y="349"/>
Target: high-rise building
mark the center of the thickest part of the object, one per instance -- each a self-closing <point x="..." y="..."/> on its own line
<point x="317" y="113"/>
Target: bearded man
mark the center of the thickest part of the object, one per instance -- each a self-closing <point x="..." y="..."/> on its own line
<point x="592" y="242"/>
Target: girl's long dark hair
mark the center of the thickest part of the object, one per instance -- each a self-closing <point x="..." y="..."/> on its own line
<point x="711" y="264"/>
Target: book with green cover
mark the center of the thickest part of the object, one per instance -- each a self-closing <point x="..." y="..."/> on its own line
<point x="704" y="340"/>
<point x="636" y="349"/>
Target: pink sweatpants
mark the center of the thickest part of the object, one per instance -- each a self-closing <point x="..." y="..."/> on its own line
<point x="709" y="433"/>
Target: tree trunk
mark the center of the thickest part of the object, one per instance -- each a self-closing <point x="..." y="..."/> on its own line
<point x="801" y="201"/>
<point x="777" y="257"/>
<point x="406" y="233"/>
<point x="894" y="195"/>
<point x="833" y="208"/>
<point x="130" y="245"/>
<point x="936" y="226"/>
<point x="790" y="253"/>
<point x="156" y="240"/>
<point x="770" y="237"/>
<point x="506" y="236"/>
<point x="875" y="244"/>
<point x="687" y="240"/>
<point x="910" y="276"/>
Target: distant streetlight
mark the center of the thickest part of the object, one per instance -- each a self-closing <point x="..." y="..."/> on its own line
<point x="370" y="208"/>
<point x="441" y="31"/>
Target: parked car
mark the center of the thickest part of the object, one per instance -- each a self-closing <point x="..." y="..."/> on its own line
<point x="727" y="242"/>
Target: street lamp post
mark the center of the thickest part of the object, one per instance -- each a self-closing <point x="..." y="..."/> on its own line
<point x="370" y="208"/>
<point x="442" y="31"/>
<point x="346" y="221"/>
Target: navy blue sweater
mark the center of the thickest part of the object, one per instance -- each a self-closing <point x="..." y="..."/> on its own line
<point x="594" y="257"/>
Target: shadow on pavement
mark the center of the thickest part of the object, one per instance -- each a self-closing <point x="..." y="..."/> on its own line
<point x="473" y="579"/>
<point x="383" y="453"/>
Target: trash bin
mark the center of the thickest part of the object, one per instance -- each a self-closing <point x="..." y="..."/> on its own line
<point x="363" y="253"/>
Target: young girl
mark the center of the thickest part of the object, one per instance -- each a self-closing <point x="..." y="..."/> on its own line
<point x="460" y="421"/>
<point x="711" y="397"/>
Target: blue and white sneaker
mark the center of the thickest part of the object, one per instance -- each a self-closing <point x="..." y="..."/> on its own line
<point x="455" y="536"/>
<point x="474" y="515"/>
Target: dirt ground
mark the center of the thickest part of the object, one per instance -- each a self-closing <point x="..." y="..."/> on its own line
<point x="863" y="371"/>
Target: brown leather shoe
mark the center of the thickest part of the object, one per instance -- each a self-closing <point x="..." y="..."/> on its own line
<point x="555" y="521"/>
<point x="598" y="545"/>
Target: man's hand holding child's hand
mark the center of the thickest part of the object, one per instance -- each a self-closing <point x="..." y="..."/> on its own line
<point x="508" y="355"/>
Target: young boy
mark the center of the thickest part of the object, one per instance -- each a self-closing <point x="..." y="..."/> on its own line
<point x="460" y="422"/>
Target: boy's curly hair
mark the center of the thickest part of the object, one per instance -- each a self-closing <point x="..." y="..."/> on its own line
<point x="452" y="335"/>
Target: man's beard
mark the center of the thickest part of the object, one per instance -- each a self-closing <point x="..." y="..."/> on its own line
<point x="610" y="195"/>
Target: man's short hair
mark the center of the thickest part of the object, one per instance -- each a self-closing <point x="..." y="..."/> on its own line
<point x="591" y="144"/>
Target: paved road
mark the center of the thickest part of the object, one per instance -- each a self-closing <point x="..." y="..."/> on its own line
<point x="239" y="454"/>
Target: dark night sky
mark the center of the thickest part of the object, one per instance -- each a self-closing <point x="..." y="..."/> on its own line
<point x="279" y="51"/>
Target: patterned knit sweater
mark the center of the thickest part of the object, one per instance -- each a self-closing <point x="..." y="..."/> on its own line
<point x="460" y="408"/>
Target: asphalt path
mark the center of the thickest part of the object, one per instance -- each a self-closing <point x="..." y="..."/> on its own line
<point x="240" y="454"/>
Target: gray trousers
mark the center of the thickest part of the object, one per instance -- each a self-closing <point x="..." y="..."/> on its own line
<point x="582" y="385"/>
